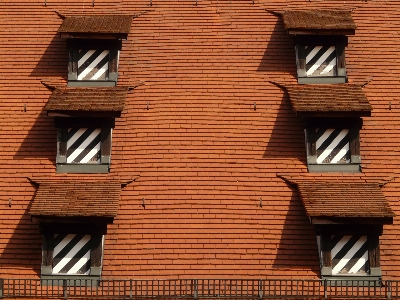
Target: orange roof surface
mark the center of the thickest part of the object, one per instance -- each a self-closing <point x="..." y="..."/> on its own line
<point x="318" y="19"/>
<point x="73" y="198"/>
<point x="340" y="199"/>
<point x="206" y="131"/>
<point x="325" y="97"/>
<point x="87" y="99"/>
<point x="96" y="24"/>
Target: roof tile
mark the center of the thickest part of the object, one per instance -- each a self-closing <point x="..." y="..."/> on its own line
<point x="71" y="199"/>
<point x="318" y="19"/>
<point x="328" y="98"/>
<point x="335" y="199"/>
<point x="87" y="99"/>
<point x="96" y="24"/>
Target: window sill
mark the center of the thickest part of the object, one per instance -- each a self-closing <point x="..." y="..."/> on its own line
<point x="353" y="280"/>
<point x="322" y="80"/>
<point x="91" y="83"/>
<point x="69" y="280"/>
<point x="83" y="168"/>
<point x="346" y="168"/>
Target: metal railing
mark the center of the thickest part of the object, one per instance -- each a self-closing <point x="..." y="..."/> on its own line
<point x="199" y="288"/>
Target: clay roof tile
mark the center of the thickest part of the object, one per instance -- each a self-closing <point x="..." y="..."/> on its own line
<point x="97" y="24"/>
<point x="331" y="20"/>
<point x="335" y="199"/>
<point x="72" y="199"/>
<point x="328" y="98"/>
<point x="88" y="99"/>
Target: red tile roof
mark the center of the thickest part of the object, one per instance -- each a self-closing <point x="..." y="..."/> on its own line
<point x="335" y="199"/>
<point x="96" y="24"/>
<point x="319" y="20"/>
<point x="328" y="98"/>
<point x="87" y="99"/>
<point x="73" y="199"/>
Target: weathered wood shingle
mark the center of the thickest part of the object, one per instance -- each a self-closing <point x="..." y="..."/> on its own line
<point x="87" y="99"/>
<point x="76" y="199"/>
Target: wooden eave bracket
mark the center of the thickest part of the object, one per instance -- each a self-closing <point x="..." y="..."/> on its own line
<point x="278" y="84"/>
<point x="124" y="184"/>
<point x="364" y="84"/>
<point x="49" y="86"/>
<point x="277" y="13"/>
<point x="287" y="178"/>
<point x="134" y="86"/>
<point x="33" y="182"/>
<point x="142" y="13"/>
<point x="60" y="15"/>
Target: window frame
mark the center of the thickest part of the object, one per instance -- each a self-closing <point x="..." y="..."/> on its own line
<point x="62" y="125"/>
<point x="74" y="45"/>
<point x="340" y="42"/>
<point x="353" y="124"/>
<point x="372" y="231"/>
<point x="97" y="232"/>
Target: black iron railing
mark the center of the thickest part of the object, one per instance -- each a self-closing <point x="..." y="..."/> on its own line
<point x="199" y="288"/>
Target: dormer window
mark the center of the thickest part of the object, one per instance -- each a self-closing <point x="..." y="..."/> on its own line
<point x="84" y="118"/>
<point x="347" y="232"/>
<point x="321" y="59"/>
<point x="73" y="218"/>
<point x="94" y="43"/>
<point x="332" y="123"/>
<point x="320" y="38"/>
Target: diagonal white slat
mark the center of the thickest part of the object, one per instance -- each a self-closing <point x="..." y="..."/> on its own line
<point x="320" y="60"/>
<point x="343" y="241"/>
<point x="91" y="153"/>
<point x="100" y="72"/>
<point x="329" y="67"/>
<point x="92" y="65"/>
<point x="84" y="145"/>
<point x="349" y="255"/>
<point x="76" y="136"/>
<point x="360" y="263"/>
<point x="341" y="153"/>
<point x="313" y="52"/>
<point x="57" y="268"/>
<point x="63" y="243"/>
<point x="323" y="137"/>
<point x="80" y="264"/>
<point x="84" y="58"/>
<point x="332" y="145"/>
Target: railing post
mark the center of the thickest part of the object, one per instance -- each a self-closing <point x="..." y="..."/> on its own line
<point x="325" y="289"/>
<point x="195" y="289"/>
<point x="260" y="288"/>
<point x="65" y="289"/>
<point x="1" y="287"/>
<point x="389" y="290"/>
<point x="131" y="289"/>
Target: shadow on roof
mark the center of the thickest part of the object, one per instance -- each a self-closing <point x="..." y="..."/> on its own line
<point x="41" y="140"/>
<point x="54" y="61"/>
<point x="24" y="248"/>
<point x="297" y="248"/>
<point x="287" y="136"/>
<point x="279" y="56"/>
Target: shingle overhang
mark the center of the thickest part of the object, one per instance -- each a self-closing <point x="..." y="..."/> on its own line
<point x="72" y="199"/>
<point x="328" y="100"/>
<point x="319" y="22"/>
<point x="336" y="202"/>
<point x="86" y="102"/>
<point x="106" y="27"/>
